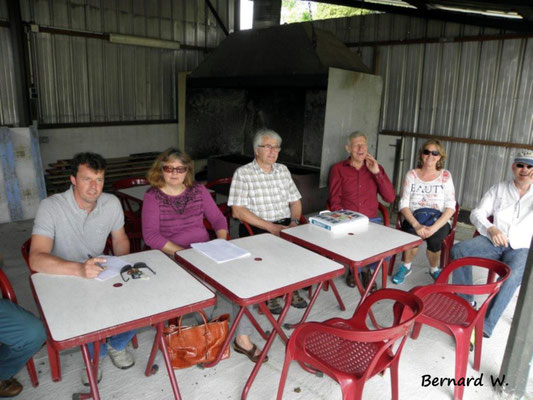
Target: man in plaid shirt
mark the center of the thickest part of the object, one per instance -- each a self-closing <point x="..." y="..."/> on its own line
<point x="264" y="195"/>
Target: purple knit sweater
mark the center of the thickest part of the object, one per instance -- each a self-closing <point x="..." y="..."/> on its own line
<point x="179" y="219"/>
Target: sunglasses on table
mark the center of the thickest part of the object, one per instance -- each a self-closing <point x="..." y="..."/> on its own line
<point x="520" y="165"/>
<point x="180" y="170"/>
<point x="432" y="152"/>
<point x="134" y="271"/>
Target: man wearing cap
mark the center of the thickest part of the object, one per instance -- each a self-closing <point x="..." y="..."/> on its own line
<point x="507" y="238"/>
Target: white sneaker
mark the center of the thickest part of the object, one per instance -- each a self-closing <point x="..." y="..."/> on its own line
<point x="121" y="358"/>
<point x="85" y="377"/>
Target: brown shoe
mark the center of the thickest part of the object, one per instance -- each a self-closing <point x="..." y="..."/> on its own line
<point x="350" y="280"/>
<point x="10" y="387"/>
<point x="366" y="276"/>
<point x="248" y="353"/>
<point x="297" y="300"/>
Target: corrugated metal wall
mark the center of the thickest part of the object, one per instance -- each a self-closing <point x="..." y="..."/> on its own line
<point x="474" y="89"/>
<point x="481" y="90"/>
<point x="82" y="79"/>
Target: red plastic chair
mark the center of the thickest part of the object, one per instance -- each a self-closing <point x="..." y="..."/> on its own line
<point x="224" y="209"/>
<point x="129" y="204"/>
<point x="450" y="313"/>
<point x="476" y="233"/>
<point x="8" y="293"/>
<point x="447" y="243"/>
<point x="53" y="353"/>
<point x="348" y="350"/>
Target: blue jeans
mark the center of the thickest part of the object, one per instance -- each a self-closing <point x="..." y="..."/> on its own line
<point x="21" y="336"/>
<point x="481" y="246"/>
<point x="118" y="342"/>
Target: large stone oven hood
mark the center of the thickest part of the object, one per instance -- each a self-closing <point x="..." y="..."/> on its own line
<point x="283" y="56"/>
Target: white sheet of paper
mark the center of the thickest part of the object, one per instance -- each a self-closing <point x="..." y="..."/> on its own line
<point x="113" y="267"/>
<point x="220" y="250"/>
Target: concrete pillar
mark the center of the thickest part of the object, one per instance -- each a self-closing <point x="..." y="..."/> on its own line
<point x="519" y="350"/>
<point x="267" y="13"/>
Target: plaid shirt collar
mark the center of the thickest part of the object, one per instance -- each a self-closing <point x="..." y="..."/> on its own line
<point x="258" y="169"/>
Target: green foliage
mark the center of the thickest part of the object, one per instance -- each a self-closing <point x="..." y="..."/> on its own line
<point x="327" y="11"/>
<point x="301" y="11"/>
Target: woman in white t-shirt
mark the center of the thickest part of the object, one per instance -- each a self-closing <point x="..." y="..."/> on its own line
<point x="427" y="204"/>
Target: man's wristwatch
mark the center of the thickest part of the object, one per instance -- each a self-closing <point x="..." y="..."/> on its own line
<point x="295" y="220"/>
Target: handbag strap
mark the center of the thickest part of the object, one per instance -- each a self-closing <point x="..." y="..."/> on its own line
<point x="201" y="312"/>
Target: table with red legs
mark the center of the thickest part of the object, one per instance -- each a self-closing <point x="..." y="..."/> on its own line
<point x="78" y="311"/>
<point x="274" y="268"/>
<point x="355" y="248"/>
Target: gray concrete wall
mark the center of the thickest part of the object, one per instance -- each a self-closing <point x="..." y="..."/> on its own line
<point x="109" y="141"/>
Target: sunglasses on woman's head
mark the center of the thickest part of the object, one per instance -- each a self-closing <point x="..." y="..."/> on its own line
<point x="432" y="152"/>
<point x="180" y="170"/>
<point x="520" y="165"/>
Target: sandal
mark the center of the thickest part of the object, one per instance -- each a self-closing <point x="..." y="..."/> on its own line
<point x="248" y="353"/>
<point x="10" y="387"/>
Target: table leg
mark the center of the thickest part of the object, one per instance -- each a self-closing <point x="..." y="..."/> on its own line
<point x="256" y="325"/>
<point x="364" y="292"/>
<point x="150" y="365"/>
<point x="385" y="270"/>
<point x="92" y="372"/>
<point x="337" y="295"/>
<point x="308" y="309"/>
<point x="228" y="338"/>
<point x="159" y="342"/>
<point x="276" y="325"/>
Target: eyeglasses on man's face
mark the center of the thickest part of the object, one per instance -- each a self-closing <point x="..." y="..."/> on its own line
<point x="168" y="169"/>
<point x="520" y="166"/>
<point x="269" y="147"/>
<point x="427" y="152"/>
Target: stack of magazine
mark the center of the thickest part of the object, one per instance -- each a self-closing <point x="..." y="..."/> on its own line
<point x="339" y="221"/>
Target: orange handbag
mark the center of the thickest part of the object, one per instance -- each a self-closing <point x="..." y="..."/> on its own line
<point x="198" y="344"/>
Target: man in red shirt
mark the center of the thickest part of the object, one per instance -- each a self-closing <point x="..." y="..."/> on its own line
<point x="354" y="185"/>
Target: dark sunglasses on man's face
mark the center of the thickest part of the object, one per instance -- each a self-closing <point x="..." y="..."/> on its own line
<point x="520" y="165"/>
<point x="432" y="152"/>
<point x="168" y="169"/>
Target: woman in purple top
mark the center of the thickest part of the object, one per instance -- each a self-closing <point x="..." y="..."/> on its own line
<point x="175" y="206"/>
<point x="173" y="217"/>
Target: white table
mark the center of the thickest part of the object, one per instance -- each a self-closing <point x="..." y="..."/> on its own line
<point x="359" y="247"/>
<point x="275" y="268"/>
<point x="135" y="192"/>
<point x="77" y="311"/>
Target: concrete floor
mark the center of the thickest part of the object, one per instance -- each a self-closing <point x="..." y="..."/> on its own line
<point x="433" y="353"/>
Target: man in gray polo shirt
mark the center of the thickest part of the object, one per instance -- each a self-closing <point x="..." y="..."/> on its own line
<point x="70" y="232"/>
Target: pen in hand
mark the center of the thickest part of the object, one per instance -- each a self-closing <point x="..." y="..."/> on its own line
<point x="101" y="267"/>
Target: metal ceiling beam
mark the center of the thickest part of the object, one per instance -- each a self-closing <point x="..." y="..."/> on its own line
<point x="441" y="15"/>
<point x="215" y="14"/>
<point x="421" y="5"/>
